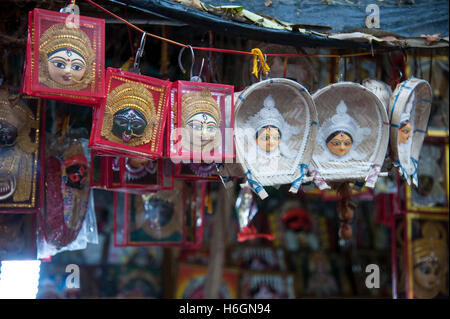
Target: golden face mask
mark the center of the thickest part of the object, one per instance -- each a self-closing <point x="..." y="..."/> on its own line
<point x="129" y="115"/>
<point x="66" y="58"/>
<point x="16" y="148"/>
<point x="201" y="119"/>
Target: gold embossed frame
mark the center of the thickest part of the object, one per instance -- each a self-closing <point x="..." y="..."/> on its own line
<point x="130" y="95"/>
<point x="164" y="218"/>
<point x="65" y="57"/>
<point x="21" y="177"/>
<point x="201" y="122"/>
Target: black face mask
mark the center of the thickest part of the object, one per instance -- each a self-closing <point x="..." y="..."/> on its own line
<point x="158" y="212"/>
<point x="76" y="176"/>
<point x="8" y="134"/>
<point x="128" y="123"/>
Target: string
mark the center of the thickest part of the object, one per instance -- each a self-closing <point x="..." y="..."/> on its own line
<point x="232" y="51"/>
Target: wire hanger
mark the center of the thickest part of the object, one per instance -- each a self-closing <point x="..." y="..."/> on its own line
<point x="195" y="78"/>
<point x="139" y="54"/>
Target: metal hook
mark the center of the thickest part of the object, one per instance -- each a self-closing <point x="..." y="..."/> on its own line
<point x="179" y="58"/>
<point x="139" y="54"/>
<point x="266" y="74"/>
<point x="196" y="78"/>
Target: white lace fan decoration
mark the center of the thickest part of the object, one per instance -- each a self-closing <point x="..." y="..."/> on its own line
<point x="275" y="132"/>
<point x="353" y="135"/>
<point x="409" y="111"/>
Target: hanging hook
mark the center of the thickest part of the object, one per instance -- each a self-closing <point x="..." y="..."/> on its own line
<point x="139" y="54"/>
<point x="266" y="73"/>
<point x="196" y="78"/>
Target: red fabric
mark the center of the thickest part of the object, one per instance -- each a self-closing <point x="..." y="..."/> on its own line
<point x="56" y="230"/>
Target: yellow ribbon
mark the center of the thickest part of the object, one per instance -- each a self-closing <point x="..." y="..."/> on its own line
<point x="126" y="66"/>
<point x="257" y="54"/>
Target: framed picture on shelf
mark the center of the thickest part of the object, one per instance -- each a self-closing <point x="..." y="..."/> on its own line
<point x="422" y="256"/>
<point x="258" y="258"/>
<point x="258" y="285"/>
<point x="192" y="279"/>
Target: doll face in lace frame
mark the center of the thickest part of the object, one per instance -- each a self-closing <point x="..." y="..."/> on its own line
<point x="66" y="66"/>
<point x="268" y="138"/>
<point x="339" y="143"/>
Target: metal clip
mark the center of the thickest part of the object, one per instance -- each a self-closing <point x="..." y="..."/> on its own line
<point x="194" y="78"/>
<point x="139" y="54"/>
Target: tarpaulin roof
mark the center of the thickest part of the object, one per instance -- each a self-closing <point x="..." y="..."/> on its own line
<point x="326" y="23"/>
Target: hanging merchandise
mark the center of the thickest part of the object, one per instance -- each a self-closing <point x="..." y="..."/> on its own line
<point x="140" y="176"/>
<point x="246" y="207"/>
<point x="409" y="111"/>
<point x="432" y="174"/>
<point x="131" y="175"/>
<point x="353" y="135"/>
<point x="201" y="122"/>
<point x="197" y="171"/>
<point x="163" y="218"/>
<point x="131" y="120"/>
<point x="421" y="256"/>
<point x="17" y="236"/>
<point x="382" y="90"/>
<point x="351" y="143"/>
<point x="65" y="57"/>
<point x="275" y="132"/>
<point x="21" y="153"/>
<point x="68" y="221"/>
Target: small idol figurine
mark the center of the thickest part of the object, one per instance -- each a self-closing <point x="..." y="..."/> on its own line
<point x="66" y="58"/>
<point x="200" y="120"/>
<point x="129" y="115"/>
